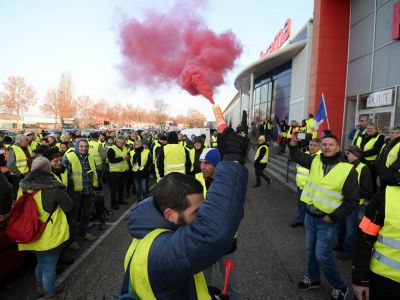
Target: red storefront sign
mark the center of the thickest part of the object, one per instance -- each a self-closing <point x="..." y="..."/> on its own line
<point x="396" y="21"/>
<point x="280" y="39"/>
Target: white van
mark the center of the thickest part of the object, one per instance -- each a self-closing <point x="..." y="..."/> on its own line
<point x="198" y="132"/>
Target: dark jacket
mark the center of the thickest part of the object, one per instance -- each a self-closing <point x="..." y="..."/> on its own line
<point x="350" y="188"/>
<point x="366" y="187"/>
<point x="176" y="256"/>
<point x="375" y="149"/>
<point x="6" y="189"/>
<point x="196" y="164"/>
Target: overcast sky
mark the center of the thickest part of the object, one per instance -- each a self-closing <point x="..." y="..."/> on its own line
<point x="41" y="39"/>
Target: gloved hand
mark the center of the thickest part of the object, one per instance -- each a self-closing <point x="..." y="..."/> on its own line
<point x="232" y="146"/>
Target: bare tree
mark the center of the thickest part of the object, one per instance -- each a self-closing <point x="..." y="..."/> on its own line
<point x="161" y="111"/>
<point x="85" y="111"/>
<point x="17" y="95"/>
<point x="59" y="101"/>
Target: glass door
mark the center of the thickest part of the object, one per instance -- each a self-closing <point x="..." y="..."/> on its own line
<point x="383" y="118"/>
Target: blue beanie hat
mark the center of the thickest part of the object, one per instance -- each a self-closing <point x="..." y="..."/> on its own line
<point x="211" y="155"/>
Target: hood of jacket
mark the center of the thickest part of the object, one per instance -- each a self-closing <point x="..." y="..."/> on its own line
<point x="145" y="217"/>
<point x="40" y="180"/>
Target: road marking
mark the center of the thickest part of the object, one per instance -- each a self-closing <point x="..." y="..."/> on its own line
<point x="71" y="268"/>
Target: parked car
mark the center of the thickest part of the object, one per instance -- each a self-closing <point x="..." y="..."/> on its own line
<point x="87" y="132"/>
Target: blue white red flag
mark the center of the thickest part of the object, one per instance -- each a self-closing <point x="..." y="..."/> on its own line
<point x="322" y="114"/>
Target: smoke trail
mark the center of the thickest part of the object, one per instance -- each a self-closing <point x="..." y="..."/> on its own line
<point x="177" y="48"/>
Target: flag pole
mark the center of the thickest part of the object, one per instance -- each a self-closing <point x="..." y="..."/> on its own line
<point x="326" y="111"/>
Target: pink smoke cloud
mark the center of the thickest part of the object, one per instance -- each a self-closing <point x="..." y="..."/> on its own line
<point x="177" y="48"/>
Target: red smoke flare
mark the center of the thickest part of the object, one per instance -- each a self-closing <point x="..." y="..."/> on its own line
<point x="177" y="47"/>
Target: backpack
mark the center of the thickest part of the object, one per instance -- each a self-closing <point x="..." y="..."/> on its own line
<point x="23" y="225"/>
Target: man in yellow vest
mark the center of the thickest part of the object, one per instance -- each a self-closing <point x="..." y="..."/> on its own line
<point x="96" y="151"/>
<point x="33" y="144"/>
<point x="310" y="123"/>
<point x="82" y="182"/>
<point x="209" y="160"/>
<point x="388" y="162"/>
<point x="302" y="175"/>
<point x="179" y="233"/>
<point x="173" y="157"/>
<point x="348" y="226"/>
<point x="358" y="130"/>
<point x="375" y="268"/>
<point x="331" y="194"/>
<point x="19" y="160"/>
<point x="50" y="197"/>
<point x="118" y="157"/>
<point x="140" y="162"/>
<point x="371" y="144"/>
<point x="260" y="162"/>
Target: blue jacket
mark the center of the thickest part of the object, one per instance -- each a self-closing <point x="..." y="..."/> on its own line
<point x="176" y="256"/>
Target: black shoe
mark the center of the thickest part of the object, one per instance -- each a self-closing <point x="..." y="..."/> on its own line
<point x="296" y="224"/>
<point x="257" y="186"/>
<point x="338" y="294"/>
<point x="115" y="206"/>
<point x="307" y="284"/>
<point x="343" y="256"/>
<point x="123" y="203"/>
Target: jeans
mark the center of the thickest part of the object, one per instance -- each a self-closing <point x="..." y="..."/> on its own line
<point x="45" y="272"/>
<point x="347" y="231"/>
<point x="319" y="241"/>
<point x="141" y="188"/>
<point x="233" y="284"/>
<point x="301" y="208"/>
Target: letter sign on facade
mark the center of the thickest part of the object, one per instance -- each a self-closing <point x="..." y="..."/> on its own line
<point x="280" y="39"/>
<point x="396" y="21"/>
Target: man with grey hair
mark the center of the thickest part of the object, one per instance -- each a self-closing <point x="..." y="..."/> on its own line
<point x="388" y="162"/>
<point x="118" y="157"/>
<point x="19" y="161"/>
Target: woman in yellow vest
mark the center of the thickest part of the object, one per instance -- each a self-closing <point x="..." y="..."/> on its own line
<point x="260" y="162"/>
<point x="140" y="162"/>
<point x="50" y="197"/>
<point x="371" y="144"/>
<point x="376" y="272"/>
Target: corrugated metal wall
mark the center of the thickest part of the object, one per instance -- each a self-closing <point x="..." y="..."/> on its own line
<point x="298" y="88"/>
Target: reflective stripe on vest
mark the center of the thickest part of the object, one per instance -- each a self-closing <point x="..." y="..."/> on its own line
<point x="156" y="145"/>
<point x="144" y="156"/>
<point x="56" y="231"/>
<point x="368" y="146"/>
<point x="263" y="160"/>
<point x="139" y="272"/>
<point x="303" y="173"/>
<point x="121" y="166"/>
<point x="359" y="169"/>
<point x="200" y="178"/>
<point x="385" y="259"/>
<point x="21" y="161"/>
<point x="64" y="177"/>
<point x="77" y="171"/>
<point x="174" y="158"/>
<point x="392" y="155"/>
<point x="214" y="142"/>
<point x="325" y="192"/>
<point x="94" y="152"/>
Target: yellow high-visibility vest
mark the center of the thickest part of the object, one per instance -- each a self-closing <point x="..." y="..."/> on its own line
<point x="64" y="177"/>
<point x="385" y="259"/>
<point x="392" y="155"/>
<point x="94" y="152"/>
<point x="200" y="178"/>
<point x="325" y="192"/>
<point x="263" y="160"/>
<point x="77" y="171"/>
<point x="56" y="231"/>
<point x="359" y="169"/>
<point x="139" y="273"/>
<point x="303" y="173"/>
<point x="121" y="166"/>
<point x="368" y="146"/>
<point x="214" y="141"/>
<point x="144" y="156"/>
<point x="174" y="159"/>
<point x="21" y="161"/>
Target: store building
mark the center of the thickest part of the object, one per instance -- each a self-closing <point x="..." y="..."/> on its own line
<point x="350" y="52"/>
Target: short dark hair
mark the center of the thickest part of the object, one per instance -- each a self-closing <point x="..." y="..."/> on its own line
<point x="172" y="190"/>
<point x="330" y="136"/>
